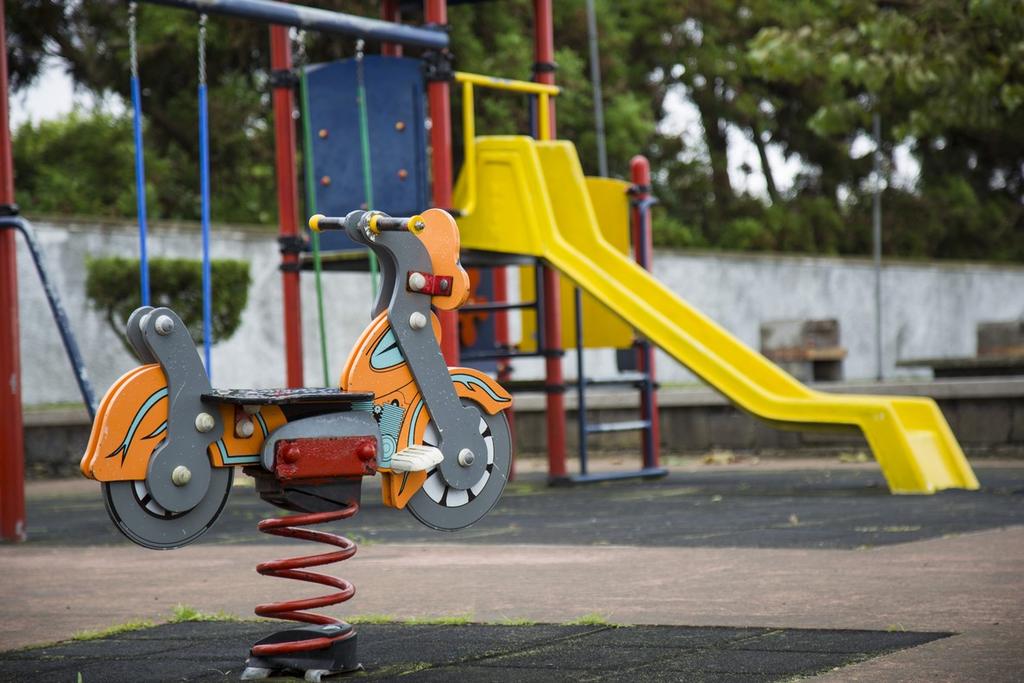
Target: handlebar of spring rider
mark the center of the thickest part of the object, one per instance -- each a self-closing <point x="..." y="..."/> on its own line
<point x="375" y="221"/>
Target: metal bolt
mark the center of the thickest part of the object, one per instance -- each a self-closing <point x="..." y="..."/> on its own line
<point x="443" y="284"/>
<point x="466" y="457"/>
<point x="164" y="325"/>
<point x="419" y="225"/>
<point x="181" y="475"/>
<point x="204" y="422"/>
<point x="291" y="453"/>
<point x="323" y="133"/>
<point x="400" y="126"/>
<point x="367" y="452"/>
<point x="326" y="180"/>
<point x="244" y="428"/>
<point x="417" y="281"/>
<point x="417" y="321"/>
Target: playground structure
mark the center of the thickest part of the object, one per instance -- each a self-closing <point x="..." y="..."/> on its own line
<point x="558" y="232"/>
<point x="165" y="444"/>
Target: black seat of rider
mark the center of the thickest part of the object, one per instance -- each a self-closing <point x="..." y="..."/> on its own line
<point x="320" y="397"/>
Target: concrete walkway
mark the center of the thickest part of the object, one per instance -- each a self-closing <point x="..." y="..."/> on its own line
<point x="970" y="584"/>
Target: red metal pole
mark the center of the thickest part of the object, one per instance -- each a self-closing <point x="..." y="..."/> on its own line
<point x="287" y="203"/>
<point x="544" y="53"/>
<point x="643" y="248"/>
<point x="390" y="11"/>
<point x="438" y="98"/>
<point x="12" y="439"/>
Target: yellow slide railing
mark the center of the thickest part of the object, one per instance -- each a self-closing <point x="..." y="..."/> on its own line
<point x="468" y="81"/>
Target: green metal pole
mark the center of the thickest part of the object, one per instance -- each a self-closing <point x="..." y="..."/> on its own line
<point x="307" y="162"/>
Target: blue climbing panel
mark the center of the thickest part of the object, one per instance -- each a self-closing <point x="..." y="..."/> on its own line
<point x="398" y="146"/>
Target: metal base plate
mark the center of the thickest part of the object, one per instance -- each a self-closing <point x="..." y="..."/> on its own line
<point x="340" y="656"/>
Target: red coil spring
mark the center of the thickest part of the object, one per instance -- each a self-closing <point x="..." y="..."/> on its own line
<point x="295" y="568"/>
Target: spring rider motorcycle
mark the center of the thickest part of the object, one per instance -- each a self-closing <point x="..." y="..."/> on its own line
<point x="165" y="444"/>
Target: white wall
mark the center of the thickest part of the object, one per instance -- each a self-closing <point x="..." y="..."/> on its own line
<point x="929" y="309"/>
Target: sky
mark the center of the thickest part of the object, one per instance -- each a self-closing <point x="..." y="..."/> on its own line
<point x="53" y="96"/>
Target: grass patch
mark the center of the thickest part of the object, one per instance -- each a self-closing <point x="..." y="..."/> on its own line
<point x="395" y="670"/>
<point x="523" y="488"/>
<point x="372" y="619"/>
<point x="592" y="619"/>
<point x="887" y="529"/>
<point x="184" y="613"/>
<point x="457" y="620"/>
<point x="126" y="627"/>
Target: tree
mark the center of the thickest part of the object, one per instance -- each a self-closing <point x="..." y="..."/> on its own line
<point x="78" y="165"/>
<point x="801" y="78"/>
<point x="90" y="39"/>
<point x="945" y="76"/>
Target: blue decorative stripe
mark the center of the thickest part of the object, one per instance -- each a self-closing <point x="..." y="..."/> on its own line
<point x="386" y="353"/>
<point x="156" y="432"/>
<point x="415" y="420"/>
<point x="140" y="415"/>
<point x="236" y="459"/>
<point x="263" y="425"/>
<point x="241" y="459"/>
<point x="471" y="381"/>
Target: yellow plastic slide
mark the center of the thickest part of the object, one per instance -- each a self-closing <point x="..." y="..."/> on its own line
<point x="532" y="199"/>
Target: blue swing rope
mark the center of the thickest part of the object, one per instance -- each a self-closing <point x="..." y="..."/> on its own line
<point x="140" y="167"/>
<point x="204" y="191"/>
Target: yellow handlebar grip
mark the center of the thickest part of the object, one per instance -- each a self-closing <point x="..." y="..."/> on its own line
<point x="314" y="222"/>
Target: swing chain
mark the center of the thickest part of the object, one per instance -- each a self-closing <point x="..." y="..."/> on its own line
<point x="202" y="49"/>
<point x="133" y="48"/>
<point x="299" y="40"/>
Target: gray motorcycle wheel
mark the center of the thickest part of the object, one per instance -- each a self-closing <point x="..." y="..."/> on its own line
<point x="446" y="508"/>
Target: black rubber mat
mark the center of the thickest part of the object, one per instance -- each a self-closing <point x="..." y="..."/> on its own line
<point x="216" y="651"/>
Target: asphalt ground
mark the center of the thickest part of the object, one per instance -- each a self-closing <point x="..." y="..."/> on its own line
<point x="842" y="507"/>
<point x="215" y="651"/>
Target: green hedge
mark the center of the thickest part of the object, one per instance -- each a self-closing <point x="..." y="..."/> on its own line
<point x="112" y="286"/>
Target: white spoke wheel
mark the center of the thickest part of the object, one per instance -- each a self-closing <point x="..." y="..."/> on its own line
<point x="447" y="508"/>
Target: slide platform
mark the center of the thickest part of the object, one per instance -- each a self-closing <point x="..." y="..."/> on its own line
<point x="532" y="198"/>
